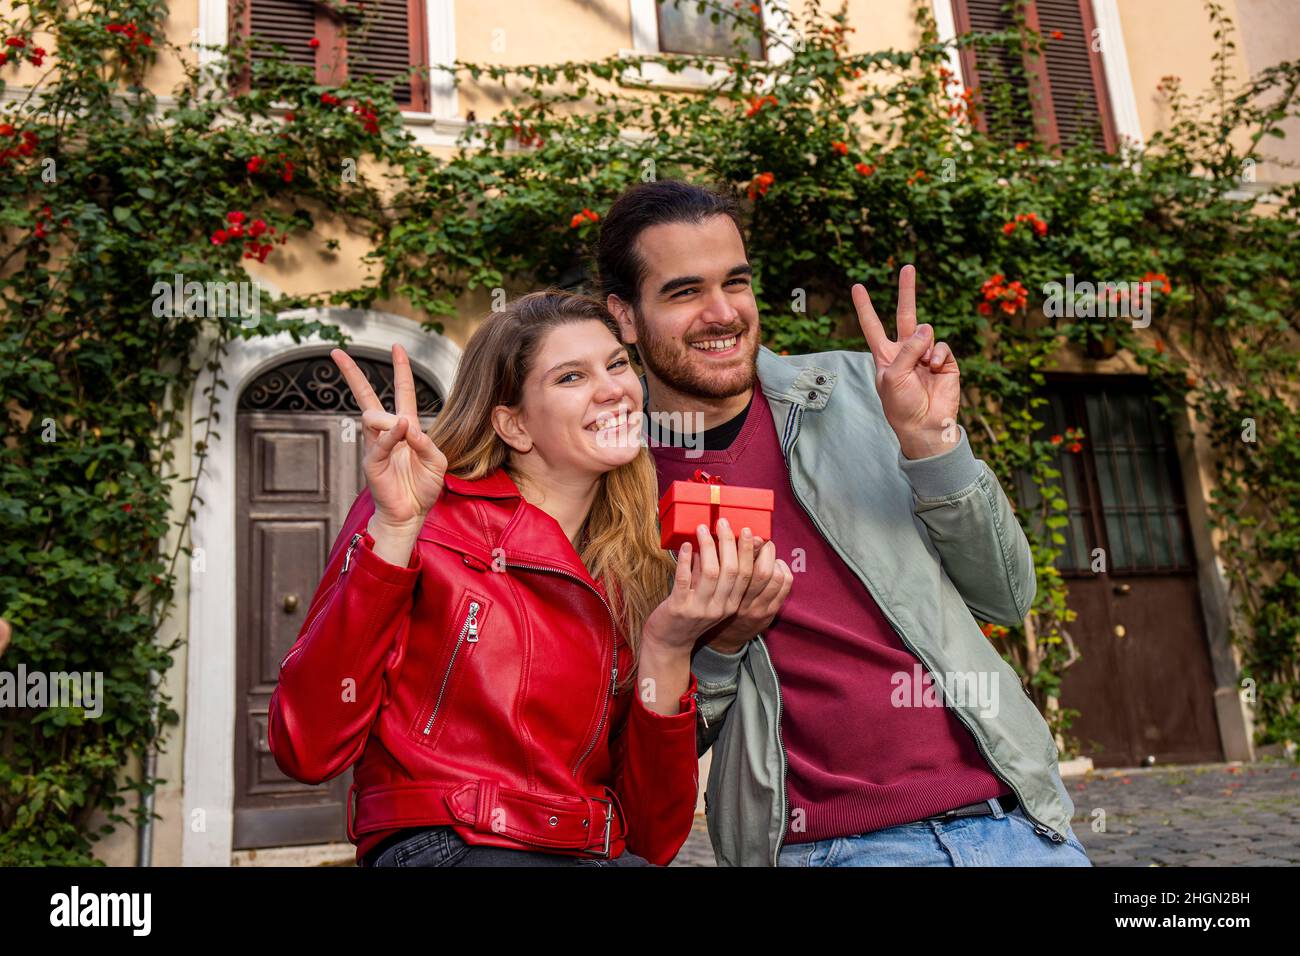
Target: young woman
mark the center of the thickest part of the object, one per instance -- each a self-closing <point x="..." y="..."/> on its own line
<point x="498" y="643"/>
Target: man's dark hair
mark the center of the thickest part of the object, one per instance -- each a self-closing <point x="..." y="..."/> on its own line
<point x="621" y="268"/>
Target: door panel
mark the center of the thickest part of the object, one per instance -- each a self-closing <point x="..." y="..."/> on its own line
<point x="299" y="448"/>
<point x="1143" y="681"/>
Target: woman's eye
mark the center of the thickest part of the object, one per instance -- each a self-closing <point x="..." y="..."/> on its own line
<point x="619" y="362"/>
<point x="562" y="380"/>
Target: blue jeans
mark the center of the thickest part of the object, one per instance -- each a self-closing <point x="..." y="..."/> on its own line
<point x="1002" y="839"/>
<point x="443" y="846"/>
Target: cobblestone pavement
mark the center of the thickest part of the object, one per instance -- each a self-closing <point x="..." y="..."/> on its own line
<point x="1192" y="815"/>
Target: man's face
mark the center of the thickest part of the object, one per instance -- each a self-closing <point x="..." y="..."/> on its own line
<point x="696" y="325"/>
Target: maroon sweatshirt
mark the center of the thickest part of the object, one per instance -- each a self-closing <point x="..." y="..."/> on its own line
<point x="856" y="762"/>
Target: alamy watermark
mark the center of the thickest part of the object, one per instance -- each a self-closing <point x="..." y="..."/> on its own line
<point x="1100" y="300"/>
<point x="658" y="429"/>
<point x="39" y="689"/>
<point x="969" y="689"/>
<point x="213" y="300"/>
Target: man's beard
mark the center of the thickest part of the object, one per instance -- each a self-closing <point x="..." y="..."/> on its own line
<point x="669" y="363"/>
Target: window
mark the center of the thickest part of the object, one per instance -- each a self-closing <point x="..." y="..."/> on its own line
<point x="684" y="28"/>
<point x="383" y="39"/>
<point x="1064" y="90"/>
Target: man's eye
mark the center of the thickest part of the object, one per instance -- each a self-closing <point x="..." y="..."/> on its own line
<point x="739" y="280"/>
<point x="681" y="292"/>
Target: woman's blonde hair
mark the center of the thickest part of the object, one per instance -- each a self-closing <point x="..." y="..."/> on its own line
<point x="621" y="543"/>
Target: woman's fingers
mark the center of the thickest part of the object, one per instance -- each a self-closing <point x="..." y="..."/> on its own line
<point x="383" y="448"/>
<point x="404" y="387"/>
<point x="428" y="453"/>
<point x="744" y="567"/>
<point x="682" y="579"/>
<point x="357" y="382"/>
<point x="728" y="566"/>
<point x="709" y="569"/>
<point x="375" y="421"/>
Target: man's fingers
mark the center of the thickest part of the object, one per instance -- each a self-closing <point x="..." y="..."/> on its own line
<point x="357" y="382"/>
<point x="910" y="353"/>
<point x="906" y="314"/>
<point x="940" y="355"/>
<point x="867" y="318"/>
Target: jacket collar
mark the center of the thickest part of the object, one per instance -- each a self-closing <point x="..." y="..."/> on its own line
<point x="528" y="536"/>
<point x="498" y="484"/>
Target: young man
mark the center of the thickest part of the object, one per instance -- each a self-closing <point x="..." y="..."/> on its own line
<point x="871" y="723"/>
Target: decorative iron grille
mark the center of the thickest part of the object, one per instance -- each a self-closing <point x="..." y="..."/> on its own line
<point x="316" y="385"/>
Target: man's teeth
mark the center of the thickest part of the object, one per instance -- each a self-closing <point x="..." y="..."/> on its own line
<point x="714" y="345"/>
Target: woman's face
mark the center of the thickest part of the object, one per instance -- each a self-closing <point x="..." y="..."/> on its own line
<point x="581" y="408"/>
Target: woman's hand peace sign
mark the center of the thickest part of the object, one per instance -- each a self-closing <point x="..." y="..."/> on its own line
<point x="403" y="467"/>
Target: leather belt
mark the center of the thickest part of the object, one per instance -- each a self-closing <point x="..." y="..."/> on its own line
<point x="982" y="808"/>
<point x="545" y="821"/>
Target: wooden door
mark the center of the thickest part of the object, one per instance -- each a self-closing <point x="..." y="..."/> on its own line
<point x="299" y="449"/>
<point x="1143" y="682"/>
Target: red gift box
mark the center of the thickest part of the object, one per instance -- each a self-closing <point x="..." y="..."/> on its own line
<point x="703" y="500"/>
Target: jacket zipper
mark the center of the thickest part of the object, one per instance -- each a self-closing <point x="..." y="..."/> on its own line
<point x="468" y="632"/>
<point x="1039" y="827"/>
<point x="611" y="690"/>
<point x="347" y="563"/>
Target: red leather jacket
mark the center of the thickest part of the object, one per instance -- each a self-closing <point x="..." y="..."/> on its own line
<point x="476" y="688"/>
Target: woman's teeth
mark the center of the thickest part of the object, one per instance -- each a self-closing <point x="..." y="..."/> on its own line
<point x="715" y="345"/>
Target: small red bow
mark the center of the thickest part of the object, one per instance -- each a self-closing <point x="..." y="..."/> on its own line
<point x="706" y="477"/>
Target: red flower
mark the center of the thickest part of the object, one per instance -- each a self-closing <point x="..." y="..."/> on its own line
<point x="1022" y="145"/>
<point x="1160" y="346"/>
<point x="329" y="99"/>
<point x="1057" y="439"/>
<point x="1161" y="279"/>
<point x="984" y="308"/>
<point x="16" y="42"/>
<point x="257" y="228"/>
<point x="753" y="7"/>
<point x="287" y="176"/>
<point x="288" y="117"/>
<point x="1008" y="228"/>
<point x="6" y="129"/>
<point x="4" y="58"/>
<point x="1074" y="447"/>
<point x="39" y="232"/>
<point x="126" y="508"/>
<point x="761" y="184"/>
<point x="756" y="103"/>
<point x="255" y="164"/>
<point x="1058" y="35"/>
<point x="314" y="42"/>
<point x="864" y="169"/>
<point x="219" y="237"/>
<point x="235" y="217"/>
<point x="840" y="147"/>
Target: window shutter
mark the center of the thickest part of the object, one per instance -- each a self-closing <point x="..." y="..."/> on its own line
<point x="1065" y="87"/>
<point x="990" y="67"/>
<point x="290" y="23"/>
<point x="386" y="42"/>
<point x="383" y="39"/>
<point x="1079" y="101"/>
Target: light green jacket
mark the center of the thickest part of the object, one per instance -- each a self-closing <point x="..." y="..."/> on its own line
<point x="952" y="551"/>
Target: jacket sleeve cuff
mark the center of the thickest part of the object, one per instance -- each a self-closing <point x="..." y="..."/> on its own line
<point x="684" y="719"/>
<point x="715" y="667"/>
<point x="364" y="558"/>
<point x="944" y="474"/>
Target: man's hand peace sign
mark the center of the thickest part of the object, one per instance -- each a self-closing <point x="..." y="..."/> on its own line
<point x="403" y="467"/>
<point x="917" y="378"/>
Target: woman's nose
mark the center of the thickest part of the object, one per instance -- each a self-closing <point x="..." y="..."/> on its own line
<point x="608" y="389"/>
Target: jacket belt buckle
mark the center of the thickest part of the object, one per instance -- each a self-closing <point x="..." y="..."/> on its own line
<point x="609" y="821"/>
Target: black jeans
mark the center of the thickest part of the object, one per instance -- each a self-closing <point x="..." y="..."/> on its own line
<point x="442" y="846"/>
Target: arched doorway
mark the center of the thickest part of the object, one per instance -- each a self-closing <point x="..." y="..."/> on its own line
<point x="298" y="451"/>
<point x="209" y="658"/>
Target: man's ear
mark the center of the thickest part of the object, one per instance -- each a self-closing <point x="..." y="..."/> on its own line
<point x="622" y="313"/>
<point x="507" y="424"/>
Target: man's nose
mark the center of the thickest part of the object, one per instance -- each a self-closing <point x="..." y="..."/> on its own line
<point x="718" y="309"/>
